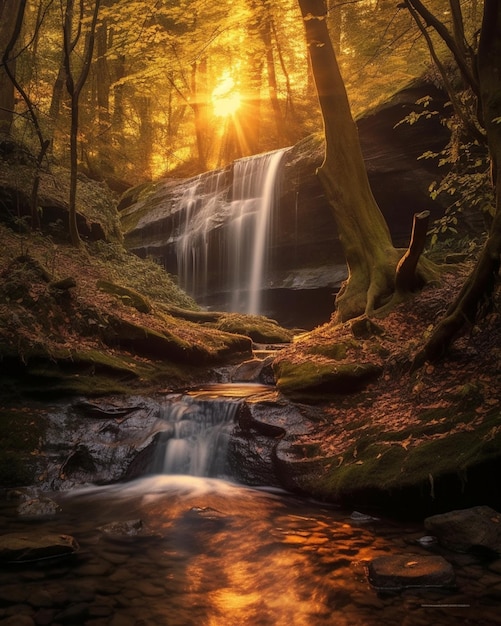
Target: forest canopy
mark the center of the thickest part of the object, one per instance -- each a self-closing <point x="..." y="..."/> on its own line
<point x="176" y="88"/>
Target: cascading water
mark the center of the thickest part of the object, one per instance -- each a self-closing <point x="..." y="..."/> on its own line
<point x="237" y="256"/>
<point x="196" y="443"/>
<point x="254" y="190"/>
<point x="200" y="425"/>
<point x="199" y="208"/>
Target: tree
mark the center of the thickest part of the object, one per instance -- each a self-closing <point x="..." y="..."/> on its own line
<point x="74" y="89"/>
<point x="9" y="68"/>
<point x="8" y="15"/>
<point x="371" y="257"/>
<point x="477" y="292"/>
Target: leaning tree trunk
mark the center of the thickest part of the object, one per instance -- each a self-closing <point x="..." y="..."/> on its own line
<point x="477" y="291"/>
<point x="363" y="232"/>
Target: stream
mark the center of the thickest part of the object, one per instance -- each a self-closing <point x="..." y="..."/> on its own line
<point x="184" y="545"/>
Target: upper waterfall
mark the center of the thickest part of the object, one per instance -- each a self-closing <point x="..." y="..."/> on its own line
<point x="200" y="229"/>
<point x="241" y="255"/>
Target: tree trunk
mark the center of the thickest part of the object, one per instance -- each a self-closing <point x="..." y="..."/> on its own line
<point x="476" y="294"/>
<point x="75" y="89"/>
<point x="8" y="14"/>
<point x="363" y="232"/>
<point x="405" y="278"/>
<point x="199" y="97"/>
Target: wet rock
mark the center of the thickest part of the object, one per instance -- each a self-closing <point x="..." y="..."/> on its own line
<point x="124" y="530"/>
<point x="393" y="573"/>
<point x="37" y="507"/>
<point x="475" y="529"/>
<point x="75" y="614"/>
<point x="258" y="452"/>
<point x="80" y="462"/>
<point x="362" y="518"/>
<point x="22" y="548"/>
<point x="103" y="410"/>
<point x="247" y="421"/>
<point x="255" y="370"/>
<point x="248" y="371"/>
<point x="44" y="617"/>
<point x="13" y="594"/>
<point x="40" y="598"/>
<point x="215" y="518"/>
<point x="148" y="589"/>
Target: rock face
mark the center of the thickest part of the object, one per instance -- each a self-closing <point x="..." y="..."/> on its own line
<point x="305" y="263"/>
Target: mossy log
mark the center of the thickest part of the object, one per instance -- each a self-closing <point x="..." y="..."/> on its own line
<point x="126" y="295"/>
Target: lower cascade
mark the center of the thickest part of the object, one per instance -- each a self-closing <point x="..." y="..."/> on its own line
<point x="197" y="442"/>
<point x="169" y="548"/>
<point x="200" y="425"/>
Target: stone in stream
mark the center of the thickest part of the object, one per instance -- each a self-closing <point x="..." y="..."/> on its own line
<point x="23" y="548"/>
<point x="36" y="507"/>
<point x="128" y="529"/>
<point x="393" y="573"/>
<point x="477" y="529"/>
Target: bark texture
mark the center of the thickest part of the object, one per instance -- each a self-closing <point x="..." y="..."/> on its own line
<point x="371" y="257"/>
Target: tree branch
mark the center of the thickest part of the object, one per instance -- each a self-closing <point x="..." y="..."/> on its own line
<point x="449" y="40"/>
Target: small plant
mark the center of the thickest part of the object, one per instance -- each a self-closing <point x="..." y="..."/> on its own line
<point x="466" y="183"/>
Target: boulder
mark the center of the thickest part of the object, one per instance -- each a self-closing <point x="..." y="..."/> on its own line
<point x="25" y="548"/>
<point x="37" y="507"/>
<point x="393" y="573"/>
<point x="477" y="529"/>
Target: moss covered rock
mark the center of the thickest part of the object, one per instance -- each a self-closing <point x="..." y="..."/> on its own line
<point x="308" y="379"/>
<point x="259" y="329"/>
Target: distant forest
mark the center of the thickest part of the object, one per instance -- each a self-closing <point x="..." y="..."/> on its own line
<point x="179" y="87"/>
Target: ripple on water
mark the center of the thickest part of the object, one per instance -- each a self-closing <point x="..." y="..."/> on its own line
<point x="220" y="554"/>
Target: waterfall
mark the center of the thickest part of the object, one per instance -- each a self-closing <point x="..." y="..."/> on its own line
<point x="224" y="237"/>
<point x="196" y="442"/>
<point x="198" y="208"/>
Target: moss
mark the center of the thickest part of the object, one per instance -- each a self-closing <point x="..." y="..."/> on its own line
<point x="386" y="467"/>
<point x="130" y="297"/>
<point x="141" y="275"/>
<point x="378" y="466"/>
<point x="259" y="329"/>
<point x="299" y="380"/>
<point x="335" y="351"/>
<point x="68" y="372"/>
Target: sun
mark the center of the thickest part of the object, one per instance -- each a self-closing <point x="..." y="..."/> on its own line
<point x="225" y="97"/>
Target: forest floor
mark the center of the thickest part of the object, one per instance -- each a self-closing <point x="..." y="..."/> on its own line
<point x="371" y="431"/>
<point x="429" y="429"/>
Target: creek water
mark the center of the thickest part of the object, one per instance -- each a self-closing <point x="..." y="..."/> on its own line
<point x="207" y="551"/>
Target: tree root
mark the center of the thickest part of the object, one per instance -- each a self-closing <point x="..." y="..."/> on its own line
<point x="474" y="299"/>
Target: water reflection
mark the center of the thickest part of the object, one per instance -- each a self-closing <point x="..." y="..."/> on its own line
<point x="218" y="554"/>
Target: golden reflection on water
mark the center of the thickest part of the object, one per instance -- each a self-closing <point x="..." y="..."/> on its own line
<point x="220" y="555"/>
<point x="256" y="563"/>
